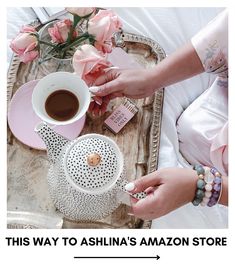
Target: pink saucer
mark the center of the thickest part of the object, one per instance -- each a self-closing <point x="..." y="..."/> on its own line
<point x="22" y="119"/>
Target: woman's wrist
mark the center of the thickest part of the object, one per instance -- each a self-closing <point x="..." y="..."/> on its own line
<point x="151" y="79"/>
<point x="190" y="185"/>
<point x="194" y="179"/>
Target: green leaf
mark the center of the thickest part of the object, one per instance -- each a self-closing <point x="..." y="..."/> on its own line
<point x="76" y="20"/>
<point x="47" y="43"/>
<point x="76" y="42"/>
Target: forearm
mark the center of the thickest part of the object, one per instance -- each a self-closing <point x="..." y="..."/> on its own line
<point x="182" y="64"/>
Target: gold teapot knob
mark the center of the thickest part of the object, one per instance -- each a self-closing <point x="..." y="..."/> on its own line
<point x="93" y="159"/>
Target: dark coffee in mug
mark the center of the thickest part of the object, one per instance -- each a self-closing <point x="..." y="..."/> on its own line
<point x="62" y="105"/>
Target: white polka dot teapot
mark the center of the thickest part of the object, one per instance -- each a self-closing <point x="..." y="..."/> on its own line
<point x="86" y="177"/>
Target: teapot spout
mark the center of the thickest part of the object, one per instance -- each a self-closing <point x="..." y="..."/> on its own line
<point x="53" y="141"/>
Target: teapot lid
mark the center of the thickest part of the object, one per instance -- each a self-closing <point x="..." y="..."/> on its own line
<point x="93" y="163"/>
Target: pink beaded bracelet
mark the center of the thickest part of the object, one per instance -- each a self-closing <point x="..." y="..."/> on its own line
<point x="213" y="187"/>
<point x="217" y="187"/>
<point x="208" y="187"/>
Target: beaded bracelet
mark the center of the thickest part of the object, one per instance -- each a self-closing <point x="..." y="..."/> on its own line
<point x="217" y="187"/>
<point x="200" y="193"/>
<point x="208" y="177"/>
<point x="209" y="186"/>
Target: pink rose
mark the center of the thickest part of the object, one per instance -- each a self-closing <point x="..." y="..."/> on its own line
<point x="89" y="63"/>
<point x="103" y="25"/>
<point x="82" y="12"/>
<point x="60" y="31"/>
<point x="25" y="45"/>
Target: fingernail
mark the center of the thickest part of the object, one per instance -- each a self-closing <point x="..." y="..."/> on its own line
<point x="130" y="214"/>
<point x="94" y="89"/>
<point x="98" y="100"/>
<point x="129" y="186"/>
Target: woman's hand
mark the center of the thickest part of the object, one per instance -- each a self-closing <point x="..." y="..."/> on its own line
<point x="117" y="83"/>
<point x="140" y="83"/>
<point x="167" y="189"/>
<point x="132" y="83"/>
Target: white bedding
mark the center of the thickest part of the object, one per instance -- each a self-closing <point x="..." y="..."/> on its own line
<point x="171" y="27"/>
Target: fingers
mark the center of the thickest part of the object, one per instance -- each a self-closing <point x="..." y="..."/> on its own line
<point x="104" y="104"/>
<point x="108" y="83"/>
<point x="109" y="88"/>
<point x="99" y="105"/>
<point x="91" y="106"/>
<point x="116" y="95"/>
<point x="107" y="77"/>
<point x="150" y="180"/>
<point x="96" y="110"/>
<point x="139" y="96"/>
<point x="98" y="100"/>
<point x="153" y="206"/>
<point x="145" y="207"/>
